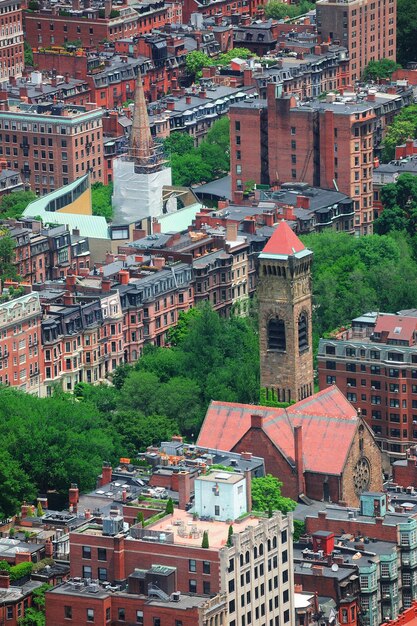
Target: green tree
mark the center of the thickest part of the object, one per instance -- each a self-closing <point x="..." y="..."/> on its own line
<point x="27" y="49"/>
<point x="39" y="510"/>
<point x="196" y="60"/>
<point x="399" y="201"/>
<point x="189" y="169"/>
<point x="403" y="127"/>
<point x="101" y="196"/>
<point x="279" y="10"/>
<point x="205" y="541"/>
<point x="178" y="143"/>
<point x="140" y="519"/>
<point x="266" y="495"/>
<point x="406" y="30"/>
<point x="14" y="204"/>
<point x="7" y="269"/>
<point x="229" y="542"/>
<point x="169" y="509"/>
<point x="16" y="486"/>
<point x="377" y="70"/>
<point x="299" y="529"/>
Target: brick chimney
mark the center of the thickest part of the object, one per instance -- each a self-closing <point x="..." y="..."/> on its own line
<point x="124" y="277"/>
<point x="68" y="298"/>
<point x="4" y="579"/>
<point x="247" y="77"/>
<point x="106" y="474"/>
<point x="105" y="285"/>
<point x="70" y="282"/>
<point x="188" y="99"/>
<point x="159" y="262"/>
<point x="256" y="421"/>
<point x="246" y="456"/>
<point x="203" y="93"/>
<point x="371" y="97"/>
<point x="409" y="147"/>
<point x="231" y="231"/>
<point x="22" y="557"/>
<point x="303" y="202"/>
<point x="74" y="496"/>
<point x="49" y="549"/>
<point x="299" y="462"/>
<point x="269" y="218"/>
<point x="288" y="213"/>
<point x="184" y="489"/>
<point x="171" y="104"/>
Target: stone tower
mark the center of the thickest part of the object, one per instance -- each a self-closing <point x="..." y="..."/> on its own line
<point x="285" y="332"/>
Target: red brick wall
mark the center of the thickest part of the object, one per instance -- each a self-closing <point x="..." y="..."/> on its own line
<point x="259" y="444"/>
<point x="405" y="475"/>
<point x="315" y="486"/>
<point x="73" y="64"/>
<point x="249" y="147"/>
<point x="378" y="530"/>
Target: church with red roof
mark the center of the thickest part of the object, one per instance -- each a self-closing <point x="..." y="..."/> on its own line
<point x="318" y="447"/>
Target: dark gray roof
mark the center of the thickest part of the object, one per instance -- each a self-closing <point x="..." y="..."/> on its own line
<point x="222" y="187"/>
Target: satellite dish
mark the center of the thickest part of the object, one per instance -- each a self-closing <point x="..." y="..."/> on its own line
<point x="335" y="567"/>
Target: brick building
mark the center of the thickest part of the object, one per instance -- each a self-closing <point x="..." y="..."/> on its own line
<point x="374" y="364"/>
<point x="51" y="144"/>
<point x="321" y="143"/>
<point x="79" y="602"/>
<point x="14" y="600"/>
<point x="288" y="439"/>
<point x="21" y="356"/>
<point x="366" y="28"/>
<point x="219" y="7"/>
<point x="11" y="40"/>
<point x="56" y="27"/>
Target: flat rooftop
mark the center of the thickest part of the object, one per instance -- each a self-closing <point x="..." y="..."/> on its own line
<point x="189" y="532"/>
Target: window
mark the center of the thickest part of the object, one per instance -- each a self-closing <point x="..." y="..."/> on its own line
<point x="102" y="573"/>
<point x="237" y="126"/>
<point x="102" y="554"/>
<point x="276" y="335"/>
<point x="192" y="565"/>
<point x="330" y="365"/>
<point x="90" y="615"/>
<point x="121" y="615"/>
<point x="206" y="567"/>
<point x="192" y="586"/>
<point x="68" y="612"/>
<point x="156" y="621"/>
<point x="139" y="617"/>
<point x="206" y="587"/>
<point x="86" y="552"/>
<point x="87" y="571"/>
<point x="330" y="350"/>
<point x="302" y="333"/>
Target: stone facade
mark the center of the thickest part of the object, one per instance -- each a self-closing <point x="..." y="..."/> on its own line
<point x="284" y="292"/>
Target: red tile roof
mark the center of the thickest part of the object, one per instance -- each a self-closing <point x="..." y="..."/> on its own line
<point x="396" y="327"/>
<point x="283" y="241"/>
<point x="328" y="423"/>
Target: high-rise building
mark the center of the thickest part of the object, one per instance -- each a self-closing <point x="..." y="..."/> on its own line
<point x="285" y="331"/>
<point x="367" y="28"/>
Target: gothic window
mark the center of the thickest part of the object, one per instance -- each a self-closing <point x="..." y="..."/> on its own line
<point x="276" y="335"/>
<point x="302" y="333"/>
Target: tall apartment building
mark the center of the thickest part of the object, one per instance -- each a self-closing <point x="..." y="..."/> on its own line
<point x="51" y="144"/>
<point x="11" y="40"/>
<point x="374" y="363"/>
<point x="366" y="27"/>
<point x="325" y="144"/>
<point x="21" y="356"/>
<point x="254" y="572"/>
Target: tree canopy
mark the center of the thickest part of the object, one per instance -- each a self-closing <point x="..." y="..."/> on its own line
<point x="279" y="10"/>
<point x="7" y="268"/>
<point x="15" y="203"/>
<point x="196" y="60"/>
<point x="207" y="162"/>
<point x="101" y="200"/>
<point x="399" y="201"/>
<point x="266" y="495"/>
<point x="406" y="30"/>
<point x="377" y="70"/>
<point x="403" y="127"/>
<point x="351" y="274"/>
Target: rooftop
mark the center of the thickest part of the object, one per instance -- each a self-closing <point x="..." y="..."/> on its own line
<point x="284" y="243"/>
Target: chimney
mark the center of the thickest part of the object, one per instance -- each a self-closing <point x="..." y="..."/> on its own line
<point x="248" y="480"/>
<point x="233" y="82"/>
<point x="256" y="421"/>
<point x="303" y="202"/>
<point x="159" y="262"/>
<point x="222" y="204"/>
<point x="409" y="147"/>
<point x="22" y="557"/>
<point x="247" y="77"/>
<point x="299" y="463"/>
<point x="218" y="19"/>
<point x="184" y="489"/>
<point x="269" y="218"/>
<point x="124" y="495"/>
<point x="109" y="258"/>
<point x="171" y="104"/>
<point x="106" y="285"/>
<point x="44" y="503"/>
<point x="203" y="93"/>
<point x="188" y="99"/>
<point x="238" y="197"/>
<point x="231" y="231"/>
<point x="156" y="227"/>
<point x="288" y="213"/>
<point x="3" y="165"/>
<point x="107" y="8"/>
<point x="106" y="474"/>
<point x="70" y="282"/>
<point x="177" y="438"/>
<point x="49" y="549"/>
<point x="371" y="96"/>
<point x="4" y="579"/>
<point x="246" y="456"/>
<point x="87" y="514"/>
<point x="68" y="298"/>
<point x="74" y="496"/>
<point x="376" y="162"/>
<point x="124" y="277"/>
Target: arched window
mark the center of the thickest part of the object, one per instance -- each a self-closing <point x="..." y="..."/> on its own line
<point x="276" y="335"/>
<point x="302" y="333"/>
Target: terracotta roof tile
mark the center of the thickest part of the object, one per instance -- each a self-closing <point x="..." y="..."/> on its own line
<point x="328" y="423"/>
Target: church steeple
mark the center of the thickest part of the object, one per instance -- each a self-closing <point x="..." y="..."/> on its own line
<point x="142" y="148"/>
<point x="285" y="310"/>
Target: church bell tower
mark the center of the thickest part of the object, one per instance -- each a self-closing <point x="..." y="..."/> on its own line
<point x="285" y="330"/>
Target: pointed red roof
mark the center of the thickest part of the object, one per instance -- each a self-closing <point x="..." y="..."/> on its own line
<point x="284" y="241"/>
